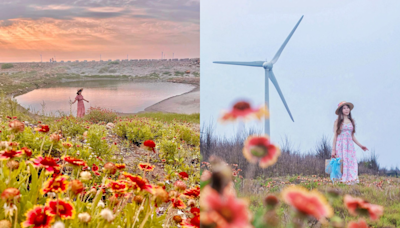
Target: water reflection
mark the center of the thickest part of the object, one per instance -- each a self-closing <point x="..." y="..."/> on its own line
<point x="121" y="96"/>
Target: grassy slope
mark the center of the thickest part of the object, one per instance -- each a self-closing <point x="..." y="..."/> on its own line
<point x="388" y="195"/>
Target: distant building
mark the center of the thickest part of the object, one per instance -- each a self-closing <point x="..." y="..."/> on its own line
<point x="77" y="61"/>
<point x="61" y="61"/>
<point x="69" y="61"/>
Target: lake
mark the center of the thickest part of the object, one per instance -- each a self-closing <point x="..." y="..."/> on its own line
<point x="119" y="95"/>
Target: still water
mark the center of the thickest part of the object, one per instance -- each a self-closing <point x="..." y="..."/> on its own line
<point x="120" y="96"/>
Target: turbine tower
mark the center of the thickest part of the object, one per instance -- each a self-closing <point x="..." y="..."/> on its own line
<point x="269" y="74"/>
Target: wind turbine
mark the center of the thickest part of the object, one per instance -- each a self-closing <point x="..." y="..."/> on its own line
<point x="268" y="74"/>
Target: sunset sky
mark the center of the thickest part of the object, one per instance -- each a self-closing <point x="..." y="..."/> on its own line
<point x="84" y="29"/>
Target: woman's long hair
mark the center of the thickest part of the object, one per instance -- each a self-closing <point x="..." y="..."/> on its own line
<point x="78" y="92"/>
<point x="341" y="119"/>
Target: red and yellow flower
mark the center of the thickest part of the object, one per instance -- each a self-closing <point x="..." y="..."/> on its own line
<point x="243" y="109"/>
<point x="178" y="203"/>
<point x="120" y="166"/>
<point x="149" y="145"/>
<point x="138" y="181"/>
<point x="58" y="184"/>
<point x="74" y="161"/>
<point x="38" y="217"/>
<point x="61" y="208"/>
<point x="10" y="154"/>
<point x="357" y="206"/>
<point x="258" y="149"/>
<point x="118" y="187"/>
<point x="46" y="162"/>
<point x="183" y="175"/>
<point x="43" y="128"/>
<point x="146" y="167"/>
<point x="309" y="203"/>
<point x="192" y="193"/>
<point x="26" y="151"/>
<point x="95" y="168"/>
<point x="192" y="222"/>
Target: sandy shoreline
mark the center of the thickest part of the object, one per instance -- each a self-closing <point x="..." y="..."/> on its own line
<point x="186" y="103"/>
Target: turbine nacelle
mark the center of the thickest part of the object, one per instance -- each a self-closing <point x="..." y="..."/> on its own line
<point x="267" y="65"/>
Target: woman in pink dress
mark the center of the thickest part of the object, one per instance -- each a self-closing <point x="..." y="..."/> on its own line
<point x="81" y="106"/>
<point x="343" y="143"/>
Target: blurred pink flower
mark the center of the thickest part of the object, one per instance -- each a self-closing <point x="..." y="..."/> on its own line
<point x="259" y="149"/>
<point x="223" y="211"/>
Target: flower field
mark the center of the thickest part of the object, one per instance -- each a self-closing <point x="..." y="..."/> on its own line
<point x="231" y="197"/>
<point x="67" y="172"/>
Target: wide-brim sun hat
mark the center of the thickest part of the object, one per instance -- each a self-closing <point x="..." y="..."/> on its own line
<point x="79" y="89"/>
<point x="351" y="106"/>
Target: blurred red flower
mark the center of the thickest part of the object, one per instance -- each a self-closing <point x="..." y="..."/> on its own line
<point x="243" y="109"/>
<point x="259" y="149"/>
<point x="358" y="206"/>
<point x="308" y="203"/>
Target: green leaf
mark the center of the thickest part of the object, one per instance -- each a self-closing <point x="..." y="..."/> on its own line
<point x="258" y="221"/>
<point x="204" y="183"/>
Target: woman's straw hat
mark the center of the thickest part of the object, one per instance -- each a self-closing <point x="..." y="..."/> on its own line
<point x="79" y="89"/>
<point x="351" y="106"/>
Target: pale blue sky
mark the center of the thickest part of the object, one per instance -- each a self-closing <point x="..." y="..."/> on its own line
<point x="342" y="50"/>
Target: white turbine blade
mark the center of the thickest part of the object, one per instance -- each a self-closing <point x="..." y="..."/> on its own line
<point x="276" y="57"/>
<point x="269" y="74"/>
<point x="253" y="64"/>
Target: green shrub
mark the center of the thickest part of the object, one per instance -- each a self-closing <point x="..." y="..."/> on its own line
<point x="168" y="150"/>
<point x="114" y="62"/>
<point x="172" y="117"/>
<point x="139" y="134"/>
<point x="179" y="73"/>
<point x="7" y="66"/>
<point x="97" y="114"/>
<point x="104" y="70"/>
<point x="99" y="145"/>
<point x="186" y="134"/>
<point x="69" y="125"/>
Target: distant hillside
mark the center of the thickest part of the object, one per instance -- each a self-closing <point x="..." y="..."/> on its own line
<point x="18" y="78"/>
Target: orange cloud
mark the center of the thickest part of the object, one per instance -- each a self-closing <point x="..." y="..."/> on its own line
<point x="134" y="31"/>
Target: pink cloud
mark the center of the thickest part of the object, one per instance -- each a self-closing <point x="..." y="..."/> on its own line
<point x="135" y="34"/>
